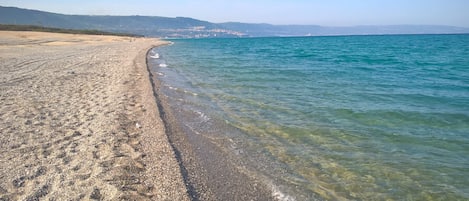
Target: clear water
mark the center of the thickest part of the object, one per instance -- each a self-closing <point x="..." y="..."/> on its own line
<point x="339" y="118"/>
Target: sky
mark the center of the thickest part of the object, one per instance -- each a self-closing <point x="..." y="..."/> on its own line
<point x="305" y="12"/>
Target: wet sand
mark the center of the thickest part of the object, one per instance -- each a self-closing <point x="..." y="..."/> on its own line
<point x="210" y="168"/>
<point x="79" y="121"/>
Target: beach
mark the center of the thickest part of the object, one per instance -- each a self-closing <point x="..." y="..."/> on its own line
<point x="86" y="117"/>
<point x="79" y="121"/>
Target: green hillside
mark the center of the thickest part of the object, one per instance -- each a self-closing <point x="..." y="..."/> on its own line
<point x="183" y="27"/>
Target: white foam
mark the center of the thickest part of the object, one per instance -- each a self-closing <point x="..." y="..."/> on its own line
<point x="203" y="116"/>
<point x="191" y="93"/>
<point x="156" y="56"/>
<point x="163" y="65"/>
<point x="279" y="195"/>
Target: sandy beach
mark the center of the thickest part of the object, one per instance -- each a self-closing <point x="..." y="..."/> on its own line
<point x="78" y="121"/>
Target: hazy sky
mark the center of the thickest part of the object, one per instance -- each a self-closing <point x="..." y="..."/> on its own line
<point x="325" y="12"/>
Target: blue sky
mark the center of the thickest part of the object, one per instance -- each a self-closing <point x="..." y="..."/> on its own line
<point x="315" y="12"/>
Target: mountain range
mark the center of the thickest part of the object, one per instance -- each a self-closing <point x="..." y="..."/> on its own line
<point x="184" y="27"/>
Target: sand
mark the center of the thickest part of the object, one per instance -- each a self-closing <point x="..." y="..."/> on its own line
<point x="78" y="121"/>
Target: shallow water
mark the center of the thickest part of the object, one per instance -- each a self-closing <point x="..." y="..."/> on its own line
<point x="346" y="117"/>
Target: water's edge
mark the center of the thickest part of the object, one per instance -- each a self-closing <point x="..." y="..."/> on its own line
<point x="208" y="171"/>
<point x="190" y="188"/>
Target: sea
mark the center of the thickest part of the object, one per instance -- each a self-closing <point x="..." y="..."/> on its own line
<point x="382" y="117"/>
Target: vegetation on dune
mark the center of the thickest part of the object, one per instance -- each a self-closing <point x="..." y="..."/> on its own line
<point x="8" y="27"/>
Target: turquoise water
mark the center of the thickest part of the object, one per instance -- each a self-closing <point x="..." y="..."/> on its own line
<point x="346" y="117"/>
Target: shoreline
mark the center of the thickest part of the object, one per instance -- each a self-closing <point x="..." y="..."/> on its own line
<point x="79" y="120"/>
<point x="209" y="172"/>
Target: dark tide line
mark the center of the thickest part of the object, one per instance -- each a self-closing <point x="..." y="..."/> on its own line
<point x="190" y="188"/>
<point x="207" y="172"/>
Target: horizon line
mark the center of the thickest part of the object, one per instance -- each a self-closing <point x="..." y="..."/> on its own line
<point x="258" y="23"/>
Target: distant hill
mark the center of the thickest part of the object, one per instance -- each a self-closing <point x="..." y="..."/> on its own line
<point x="59" y="30"/>
<point x="314" y="30"/>
<point x="182" y="27"/>
<point x="140" y="25"/>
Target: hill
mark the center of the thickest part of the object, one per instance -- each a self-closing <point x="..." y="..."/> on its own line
<point x="179" y="27"/>
<point x="59" y="30"/>
<point x="183" y="27"/>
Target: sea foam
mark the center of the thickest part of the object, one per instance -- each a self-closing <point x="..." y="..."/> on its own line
<point x="155" y="56"/>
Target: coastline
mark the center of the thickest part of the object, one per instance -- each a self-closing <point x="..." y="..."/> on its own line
<point x="79" y="120"/>
<point x="209" y="171"/>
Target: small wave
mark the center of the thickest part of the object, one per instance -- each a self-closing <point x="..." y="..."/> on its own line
<point x="276" y="193"/>
<point x="170" y="87"/>
<point x="163" y="65"/>
<point x="191" y="93"/>
<point x="203" y="116"/>
<point x="156" y="56"/>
